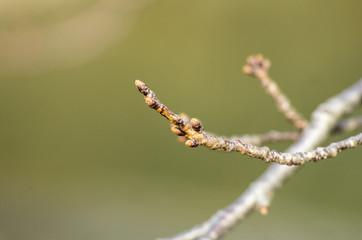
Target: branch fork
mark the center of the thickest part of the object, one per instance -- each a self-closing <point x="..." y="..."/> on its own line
<point x="324" y="121"/>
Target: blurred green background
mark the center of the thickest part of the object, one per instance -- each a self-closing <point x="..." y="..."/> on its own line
<point x="83" y="157"/>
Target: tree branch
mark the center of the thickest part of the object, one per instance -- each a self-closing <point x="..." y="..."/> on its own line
<point x="258" y="67"/>
<point x="349" y="124"/>
<point x="269" y="137"/>
<point x="258" y="196"/>
<point x="196" y="136"/>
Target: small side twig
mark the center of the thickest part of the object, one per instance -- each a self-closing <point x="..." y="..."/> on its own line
<point x="194" y="132"/>
<point x="258" y="67"/>
<point x="269" y="137"/>
<point x="345" y="125"/>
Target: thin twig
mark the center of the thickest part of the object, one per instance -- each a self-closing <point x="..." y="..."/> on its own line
<point x="269" y="137"/>
<point x="196" y="136"/>
<point x="258" y="67"/>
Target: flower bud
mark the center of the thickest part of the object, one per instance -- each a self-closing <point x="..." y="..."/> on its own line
<point x="191" y="143"/>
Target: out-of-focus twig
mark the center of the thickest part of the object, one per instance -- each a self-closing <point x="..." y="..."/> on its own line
<point x="348" y="124"/>
<point x="269" y="137"/>
<point x="258" y="67"/>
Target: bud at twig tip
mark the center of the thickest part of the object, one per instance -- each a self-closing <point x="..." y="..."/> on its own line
<point x="141" y="87"/>
<point x="139" y="84"/>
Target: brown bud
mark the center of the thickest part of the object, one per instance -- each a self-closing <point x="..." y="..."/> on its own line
<point x="177" y="131"/>
<point x="191" y="143"/>
<point x="196" y="125"/>
<point x="141" y="87"/>
<point x="150" y="102"/>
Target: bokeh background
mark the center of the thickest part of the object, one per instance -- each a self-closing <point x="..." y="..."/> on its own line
<point x="82" y="156"/>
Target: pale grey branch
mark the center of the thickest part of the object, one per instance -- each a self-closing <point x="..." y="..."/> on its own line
<point x="349" y="124"/>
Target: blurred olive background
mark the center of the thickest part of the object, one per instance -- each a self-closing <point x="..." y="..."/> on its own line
<point x="83" y="157"/>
